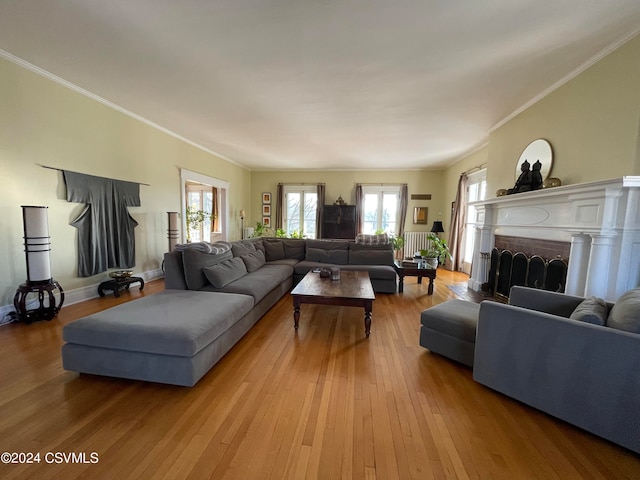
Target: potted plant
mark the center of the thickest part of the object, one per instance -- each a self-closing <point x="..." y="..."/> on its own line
<point x="194" y="218"/>
<point x="398" y="244"/>
<point x="438" y="251"/>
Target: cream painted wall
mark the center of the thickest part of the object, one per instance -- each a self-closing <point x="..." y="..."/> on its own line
<point x="592" y="123"/>
<point x="342" y="183"/>
<point x="44" y="122"/>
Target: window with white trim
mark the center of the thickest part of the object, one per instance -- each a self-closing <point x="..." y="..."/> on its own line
<point x="299" y="210"/>
<point x="380" y="208"/>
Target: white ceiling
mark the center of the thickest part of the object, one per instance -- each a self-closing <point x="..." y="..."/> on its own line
<point x="304" y="84"/>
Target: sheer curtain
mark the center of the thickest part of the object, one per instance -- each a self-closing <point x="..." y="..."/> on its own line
<point x="359" y="207"/>
<point x="279" y="203"/>
<point x="320" y="210"/>
<point x="404" y="204"/>
<point x="458" y="220"/>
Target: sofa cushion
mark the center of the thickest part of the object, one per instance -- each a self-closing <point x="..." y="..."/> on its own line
<point x="259" y="283"/>
<point x="294" y="248"/>
<point x="320" y="255"/>
<point x="253" y="261"/>
<point x="242" y="247"/>
<point x="625" y="314"/>
<point x="274" y="250"/>
<point x="194" y="262"/>
<point x="156" y="323"/>
<point x="591" y="310"/>
<point x="224" y="273"/>
<point x="370" y="254"/>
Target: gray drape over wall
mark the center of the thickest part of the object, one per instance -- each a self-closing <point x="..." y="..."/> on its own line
<point x="105" y="229"/>
<point x="458" y="220"/>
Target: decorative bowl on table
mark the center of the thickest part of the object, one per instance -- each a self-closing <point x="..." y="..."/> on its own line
<point x="121" y="273"/>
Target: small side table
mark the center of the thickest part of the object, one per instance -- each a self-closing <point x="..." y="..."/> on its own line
<point x="115" y="284"/>
<point x="414" y="271"/>
<point x="46" y="309"/>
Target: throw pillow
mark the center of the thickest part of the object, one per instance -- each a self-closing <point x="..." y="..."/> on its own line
<point x="242" y="247"/>
<point x="591" y="310"/>
<point x="226" y="272"/>
<point x="194" y="261"/>
<point x="253" y="261"/>
<point x="365" y="239"/>
<point x="625" y="314"/>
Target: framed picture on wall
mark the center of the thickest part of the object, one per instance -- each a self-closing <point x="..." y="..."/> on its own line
<point x="420" y="215"/>
<point x="266" y="221"/>
<point x="266" y="198"/>
<point x="266" y="209"/>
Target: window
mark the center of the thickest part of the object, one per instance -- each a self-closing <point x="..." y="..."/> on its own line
<point x="381" y="207"/>
<point x="300" y="207"/>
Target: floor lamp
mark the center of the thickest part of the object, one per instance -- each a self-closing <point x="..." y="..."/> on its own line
<point x="37" y="249"/>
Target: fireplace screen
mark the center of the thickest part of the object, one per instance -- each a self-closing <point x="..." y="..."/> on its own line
<point x="508" y="269"/>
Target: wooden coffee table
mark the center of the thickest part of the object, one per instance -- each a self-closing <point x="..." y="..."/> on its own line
<point x="352" y="290"/>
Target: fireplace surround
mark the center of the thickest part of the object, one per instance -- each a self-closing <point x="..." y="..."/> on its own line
<point x="600" y="221"/>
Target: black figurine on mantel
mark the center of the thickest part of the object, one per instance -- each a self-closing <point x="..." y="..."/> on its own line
<point x="528" y="180"/>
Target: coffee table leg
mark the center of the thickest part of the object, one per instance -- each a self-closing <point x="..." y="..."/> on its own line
<point x="430" y="290"/>
<point x="367" y="319"/>
<point x="296" y="313"/>
<point x="401" y="284"/>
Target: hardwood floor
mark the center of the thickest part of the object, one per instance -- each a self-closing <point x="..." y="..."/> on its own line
<point x="324" y="403"/>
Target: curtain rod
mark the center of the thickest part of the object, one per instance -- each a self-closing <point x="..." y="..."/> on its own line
<point x="62" y="170"/>
<point x="378" y="184"/>
<point x="300" y="183"/>
<point x="479" y="167"/>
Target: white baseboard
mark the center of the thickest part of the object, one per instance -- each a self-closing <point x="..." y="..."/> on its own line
<point x="88" y="292"/>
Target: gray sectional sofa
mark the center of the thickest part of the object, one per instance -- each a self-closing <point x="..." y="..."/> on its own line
<point x="211" y="300"/>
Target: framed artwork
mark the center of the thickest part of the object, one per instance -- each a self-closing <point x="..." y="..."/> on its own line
<point x="420" y="215"/>
<point x="266" y="198"/>
<point x="266" y="210"/>
<point x="266" y="221"/>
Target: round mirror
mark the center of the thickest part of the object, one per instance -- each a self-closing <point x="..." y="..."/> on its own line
<point x="540" y="150"/>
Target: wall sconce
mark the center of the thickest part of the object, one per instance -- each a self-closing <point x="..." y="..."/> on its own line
<point x="172" y="231"/>
<point x="242" y="215"/>
<point x="37" y="248"/>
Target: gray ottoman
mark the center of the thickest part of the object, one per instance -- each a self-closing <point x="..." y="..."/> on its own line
<point x="449" y="329"/>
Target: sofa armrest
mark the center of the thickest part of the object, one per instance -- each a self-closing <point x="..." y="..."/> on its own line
<point x="582" y="373"/>
<point x="544" y="301"/>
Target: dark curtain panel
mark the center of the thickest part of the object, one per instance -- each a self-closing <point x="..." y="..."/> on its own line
<point x="458" y="220"/>
<point x="359" y="207"/>
<point x="279" y="204"/>
<point x="404" y="204"/>
<point x="320" y="210"/>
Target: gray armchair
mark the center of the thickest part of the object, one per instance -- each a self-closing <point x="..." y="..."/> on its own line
<point x="585" y="374"/>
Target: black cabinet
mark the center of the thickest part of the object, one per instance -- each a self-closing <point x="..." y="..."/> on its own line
<point x="339" y="221"/>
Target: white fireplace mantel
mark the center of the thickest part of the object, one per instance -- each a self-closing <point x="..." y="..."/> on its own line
<point x="601" y="220"/>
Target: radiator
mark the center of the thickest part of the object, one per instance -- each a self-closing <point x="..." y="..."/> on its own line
<point x="414" y="242"/>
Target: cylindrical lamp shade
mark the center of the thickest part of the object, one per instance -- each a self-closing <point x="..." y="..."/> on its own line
<point x="172" y="232"/>
<point x="37" y="244"/>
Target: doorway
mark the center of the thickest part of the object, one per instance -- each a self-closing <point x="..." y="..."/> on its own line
<point x="206" y="198"/>
<point x="476" y="191"/>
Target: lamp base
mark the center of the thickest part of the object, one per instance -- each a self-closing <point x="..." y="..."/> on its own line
<point x="46" y="309"/>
